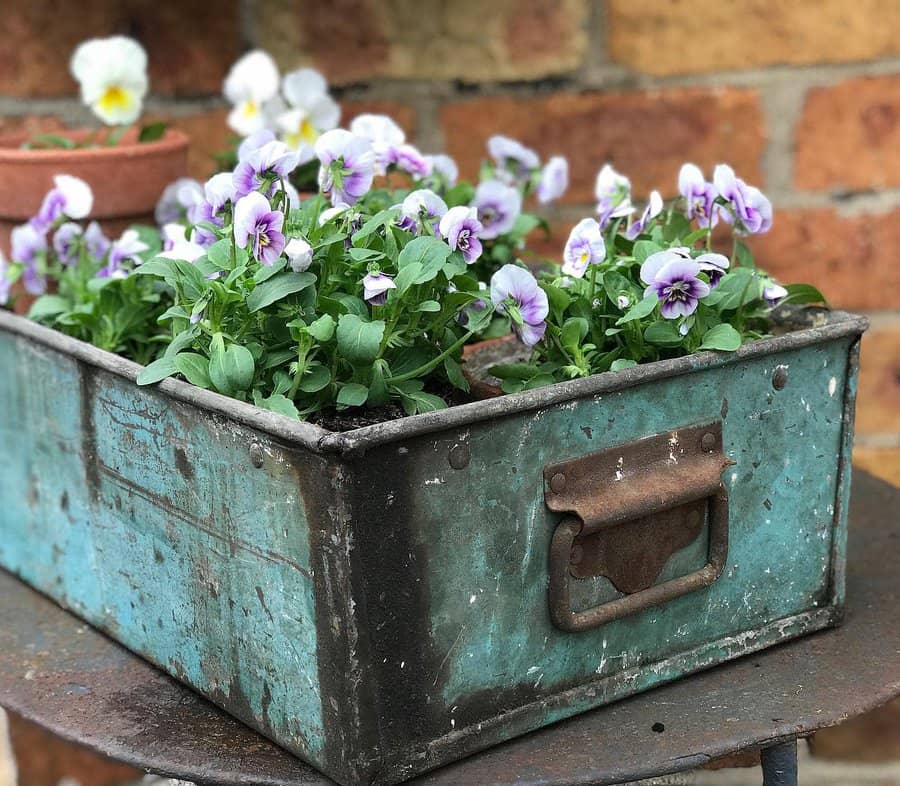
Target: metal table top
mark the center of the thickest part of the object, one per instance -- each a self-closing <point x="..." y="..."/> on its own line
<point x="67" y="677"/>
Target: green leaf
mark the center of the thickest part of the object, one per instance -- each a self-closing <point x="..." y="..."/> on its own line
<point x="48" y="306"/>
<point x="641" y="309"/>
<point x="618" y="365"/>
<point x="722" y="337"/>
<point x="743" y="255"/>
<point x="278" y="287"/>
<point x="558" y="299"/>
<point x="415" y="402"/>
<point x="573" y="332"/>
<point x="315" y="379"/>
<point x="407" y="277"/>
<point x="152" y="132"/>
<point x="643" y="249"/>
<point x="352" y="395"/>
<point x="373" y="225"/>
<point x="51" y="140"/>
<point x="157" y="371"/>
<point x="219" y="253"/>
<point x="365" y="254"/>
<point x="182" y="341"/>
<point x="454" y="373"/>
<point x="429" y="252"/>
<point x="428" y="307"/>
<point x="803" y="293"/>
<point x="663" y="333"/>
<point x="277" y="403"/>
<point x="231" y="369"/>
<point x="737" y="288"/>
<point x="322" y="329"/>
<point x="194" y="368"/>
<point x="359" y="341"/>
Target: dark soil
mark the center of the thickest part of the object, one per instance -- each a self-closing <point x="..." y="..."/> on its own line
<point x="358" y="418"/>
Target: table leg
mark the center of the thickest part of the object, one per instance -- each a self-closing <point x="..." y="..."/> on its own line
<point x="779" y="764"/>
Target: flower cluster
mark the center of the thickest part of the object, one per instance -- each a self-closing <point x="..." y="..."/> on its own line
<point x="640" y="287"/>
<point x="91" y="293"/>
<point x="364" y="294"/>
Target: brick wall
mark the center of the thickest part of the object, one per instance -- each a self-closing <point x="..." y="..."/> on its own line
<point x="802" y="97"/>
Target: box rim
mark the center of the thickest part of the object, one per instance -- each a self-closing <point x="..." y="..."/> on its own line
<point x="838" y="324"/>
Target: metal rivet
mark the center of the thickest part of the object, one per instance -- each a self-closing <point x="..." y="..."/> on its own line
<point x="459" y="456"/>
<point x="708" y="442"/>
<point x="779" y="377"/>
<point x="558" y="482"/>
<point x="577" y="554"/>
<point x="257" y="457"/>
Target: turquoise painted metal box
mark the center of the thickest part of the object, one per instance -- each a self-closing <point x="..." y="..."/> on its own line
<point x="385" y="600"/>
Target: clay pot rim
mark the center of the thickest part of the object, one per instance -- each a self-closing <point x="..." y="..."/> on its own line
<point x="11" y="153"/>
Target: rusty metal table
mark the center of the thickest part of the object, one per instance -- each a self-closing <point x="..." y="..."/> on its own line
<point x="65" y="676"/>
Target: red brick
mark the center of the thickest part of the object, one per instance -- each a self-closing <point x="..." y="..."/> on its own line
<point x="189" y="47"/>
<point x="851" y="259"/>
<point x="44" y="760"/>
<point x="691" y="36"/>
<point x="209" y="134"/>
<point x="873" y="737"/>
<point x="646" y="135"/>
<point x="848" y="136"/>
<point x="361" y="40"/>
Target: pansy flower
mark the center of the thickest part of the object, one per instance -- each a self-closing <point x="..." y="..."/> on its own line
<point x="515" y="293"/>
<point x="747" y="206"/>
<point x="375" y="288"/>
<point x="112" y="74"/>
<point x="652" y="210"/>
<point x="250" y="83"/>
<point x="613" y="193"/>
<point x="512" y="158"/>
<point x="444" y="167"/>
<point x="66" y="242"/>
<point x="265" y="166"/>
<point x="128" y="248"/>
<point x="584" y="247"/>
<point x="554" y="180"/>
<point x="499" y="205"/>
<point x="699" y="196"/>
<point x="383" y="135"/>
<point x="70" y="196"/>
<point x="299" y="254"/>
<point x="177" y="246"/>
<point x="347" y="165"/>
<point x="309" y="110"/>
<point x="258" y="227"/>
<point x="461" y="229"/>
<point x="674" y="280"/>
<point x="176" y="199"/>
<point x="420" y="207"/>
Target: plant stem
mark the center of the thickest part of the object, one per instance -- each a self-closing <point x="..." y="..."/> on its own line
<point x="431" y="364"/>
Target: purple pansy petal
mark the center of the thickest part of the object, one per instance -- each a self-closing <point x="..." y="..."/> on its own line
<point x="585" y="246"/>
<point x="376" y="286"/>
<point x="499" y="205"/>
<point x="65" y="242"/>
<point x="461" y="229"/>
<point x="515" y="287"/>
<point x="258" y="227"/>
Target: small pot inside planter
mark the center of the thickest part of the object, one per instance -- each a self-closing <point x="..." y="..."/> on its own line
<point x="483" y="355"/>
<point x="127" y="178"/>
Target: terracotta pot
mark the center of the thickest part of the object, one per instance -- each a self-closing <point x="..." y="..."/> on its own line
<point x="127" y="179"/>
<point x="482" y="355"/>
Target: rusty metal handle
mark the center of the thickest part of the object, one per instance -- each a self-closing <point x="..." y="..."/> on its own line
<point x="560" y="557"/>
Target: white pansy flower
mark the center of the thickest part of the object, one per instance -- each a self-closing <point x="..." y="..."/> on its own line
<point x="308" y="111"/>
<point x="383" y="134"/>
<point x="251" y="82"/>
<point x="112" y="73"/>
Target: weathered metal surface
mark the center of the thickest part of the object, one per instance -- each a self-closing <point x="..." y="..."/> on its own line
<point x="77" y="682"/>
<point x="779" y="764"/>
<point x="636" y="505"/>
<point x="376" y="600"/>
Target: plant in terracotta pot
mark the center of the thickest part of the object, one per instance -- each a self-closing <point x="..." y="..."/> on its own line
<point x="126" y="166"/>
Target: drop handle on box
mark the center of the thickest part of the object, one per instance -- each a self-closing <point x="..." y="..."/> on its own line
<point x="628" y="509"/>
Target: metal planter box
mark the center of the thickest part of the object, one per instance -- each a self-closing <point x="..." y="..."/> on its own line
<point x="386" y="600"/>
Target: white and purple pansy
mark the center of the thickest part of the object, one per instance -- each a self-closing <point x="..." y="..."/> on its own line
<point x="258" y="227"/>
<point x="674" y="279"/>
<point x="461" y="229"/>
<point x="263" y="168"/>
<point x="376" y="286"/>
<point x="553" y="180"/>
<point x="699" y="196"/>
<point x="652" y="210"/>
<point x="516" y="293"/>
<point x="70" y="197"/>
<point x="299" y="254"/>
<point x="512" y="158"/>
<point x="584" y="247"/>
<point x="128" y="248"/>
<point x="422" y="207"/>
<point x="67" y="242"/>
<point x="383" y="135"/>
<point x="746" y="206"/>
<point x="613" y="193"/>
<point x="347" y="165"/>
<point x="499" y="205"/>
